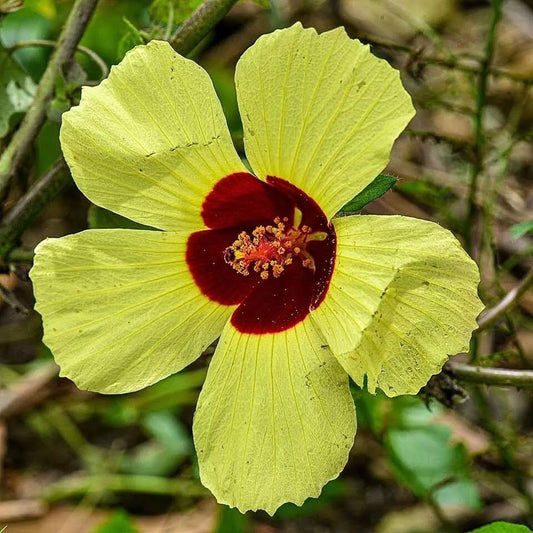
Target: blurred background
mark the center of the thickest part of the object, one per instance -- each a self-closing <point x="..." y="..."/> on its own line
<point x="454" y="458"/>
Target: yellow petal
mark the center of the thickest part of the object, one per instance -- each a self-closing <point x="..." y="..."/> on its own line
<point x="319" y="111"/>
<point x="120" y="308"/>
<point x="151" y="140"/>
<point x="275" y="420"/>
<point x="402" y="298"/>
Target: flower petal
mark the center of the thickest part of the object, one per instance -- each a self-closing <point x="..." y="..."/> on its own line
<point x="120" y="308"/>
<point x="150" y="141"/>
<point x="275" y="420"/>
<point x="320" y="111"/>
<point x="402" y="298"/>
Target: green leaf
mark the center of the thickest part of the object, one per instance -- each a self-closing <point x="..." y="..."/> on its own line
<point x="119" y="523"/>
<point x="150" y="459"/>
<point x="334" y="491"/>
<point x="371" y="192"/>
<point x="231" y="521"/>
<point x="502" y="527"/>
<point x="423" y="458"/>
<point x="182" y="10"/>
<point x="462" y="493"/>
<point x="16" y="91"/>
<point x="100" y="218"/>
<point x="131" y="38"/>
<point x="168" y="431"/>
<point x="522" y="229"/>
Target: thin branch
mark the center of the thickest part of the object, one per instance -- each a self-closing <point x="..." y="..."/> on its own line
<point x="501" y="377"/>
<point x="452" y="64"/>
<point x="102" y="65"/>
<point x="31" y="204"/>
<point x="22" y="141"/>
<point x="493" y="314"/>
<point x="10" y="299"/>
<point x="200" y="23"/>
<point x="28" y="390"/>
<point x="83" y="485"/>
<point x="481" y="97"/>
<point x="455" y="143"/>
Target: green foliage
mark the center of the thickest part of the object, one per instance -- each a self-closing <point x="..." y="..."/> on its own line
<point x="16" y="91"/>
<point x="419" y="450"/>
<point x="231" y="521"/>
<point x="523" y="228"/>
<point x="502" y="527"/>
<point x="371" y="192"/>
<point x="119" y="523"/>
<point x="131" y="38"/>
<point x="332" y="492"/>
<point x="99" y="217"/>
<point x="170" y="445"/>
<point x="426" y="462"/>
<point x="160" y="10"/>
<point x="427" y="193"/>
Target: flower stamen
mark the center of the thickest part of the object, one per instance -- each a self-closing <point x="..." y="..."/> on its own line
<point x="271" y="248"/>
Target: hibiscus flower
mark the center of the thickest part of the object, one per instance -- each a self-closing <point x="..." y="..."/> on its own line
<point x="300" y="300"/>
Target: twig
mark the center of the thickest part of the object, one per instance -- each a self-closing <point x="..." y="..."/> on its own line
<point x="501" y="377"/>
<point x="10" y="299"/>
<point x="170" y="21"/>
<point x="481" y="96"/>
<point x="31" y="204"/>
<point x="505" y="443"/>
<point x="452" y="64"/>
<point x="455" y="143"/>
<point x="79" y="486"/>
<point x="102" y="65"/>
<point x="200" y="24"/>
<point x="23" y="139"/>
<point x="511" y="299"/>
<point x="27" y="391"/>
<point x="16" y="510"/>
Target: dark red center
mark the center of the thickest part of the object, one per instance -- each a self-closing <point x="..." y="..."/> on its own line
<point x="270" y="250"/>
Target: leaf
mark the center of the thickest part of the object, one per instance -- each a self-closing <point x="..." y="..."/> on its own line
<point x="150" y="459"/>
<point x="100" y="218"/>
<point x="423" y="458"/>
<point x="518" y="230"/>
<point x="119" y="523"/>
<point x="371" y="192"/>
<point x="131" y="38"/>
<point x="16" y="91"/>
<point x="231" y="521"/>
<point x="463" y="492"/>
<point x="168" y="431"/>
<point x="182" y="9"/>
<point x="333" y="492"/>
<point x="502" y="527"/>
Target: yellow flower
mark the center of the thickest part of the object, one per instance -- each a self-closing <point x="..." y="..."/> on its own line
<point x="300" y="300"/>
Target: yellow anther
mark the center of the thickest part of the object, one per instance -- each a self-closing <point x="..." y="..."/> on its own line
<point x="271" y="247"/>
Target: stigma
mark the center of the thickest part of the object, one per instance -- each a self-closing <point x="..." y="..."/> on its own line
<point x="270" y="249"/>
